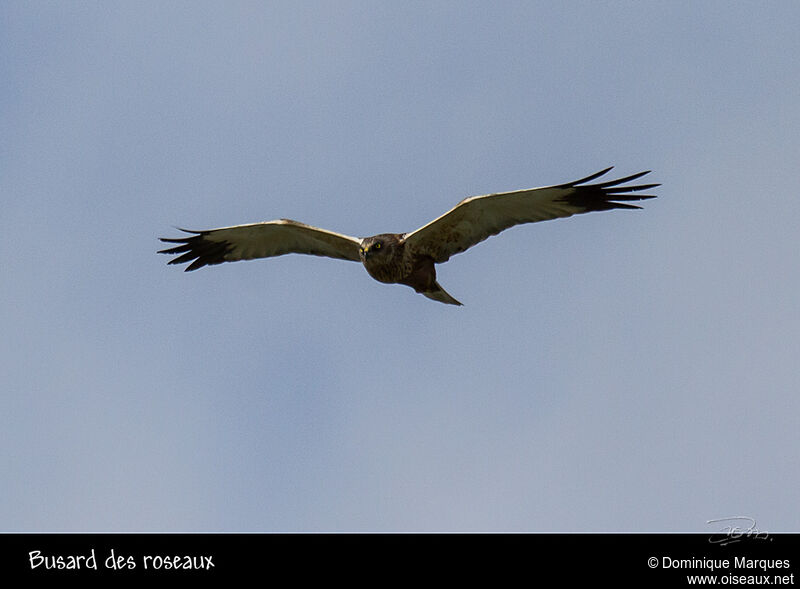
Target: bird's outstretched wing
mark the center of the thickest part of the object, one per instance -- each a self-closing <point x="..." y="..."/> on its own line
<point x="259" y="240"/>
<point x="478" y="217"/>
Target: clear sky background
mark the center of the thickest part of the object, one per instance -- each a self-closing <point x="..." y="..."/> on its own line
<point x="620" y="371"/>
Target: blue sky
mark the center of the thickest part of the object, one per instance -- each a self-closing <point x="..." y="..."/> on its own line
<point x="621" y="371"/>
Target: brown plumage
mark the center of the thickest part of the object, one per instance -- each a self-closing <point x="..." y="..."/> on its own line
<point x="409" y="258"/>
<point x="387" y="259"/>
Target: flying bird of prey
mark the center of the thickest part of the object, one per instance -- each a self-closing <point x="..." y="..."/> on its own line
<point x="410" y="258"/>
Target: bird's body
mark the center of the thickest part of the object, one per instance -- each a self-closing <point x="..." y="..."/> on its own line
<point x="409" y="258"/>
<point x="387" y="259"/>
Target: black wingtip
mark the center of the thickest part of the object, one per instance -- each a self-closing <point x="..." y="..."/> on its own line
<point x="603" y="196"/>
<point x="195" y="250"/>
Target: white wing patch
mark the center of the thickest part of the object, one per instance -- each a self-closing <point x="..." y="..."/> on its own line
<point x="260" y="240"/>
<point x="478" y="217"/>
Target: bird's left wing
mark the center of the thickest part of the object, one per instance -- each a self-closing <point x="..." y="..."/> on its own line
<point x="259" y="240"/>
<point x="479" y="217"/>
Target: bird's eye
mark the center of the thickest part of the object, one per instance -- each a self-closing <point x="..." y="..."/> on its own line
<point x="377" y="246"/>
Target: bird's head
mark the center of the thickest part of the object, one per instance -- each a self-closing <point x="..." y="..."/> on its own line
<point x="378" y="247"/>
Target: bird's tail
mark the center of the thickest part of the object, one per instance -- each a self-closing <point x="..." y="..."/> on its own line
<point x="439" y="294"/>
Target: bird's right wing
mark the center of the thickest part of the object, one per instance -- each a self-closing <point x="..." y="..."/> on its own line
<point x="259" y="240"/>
